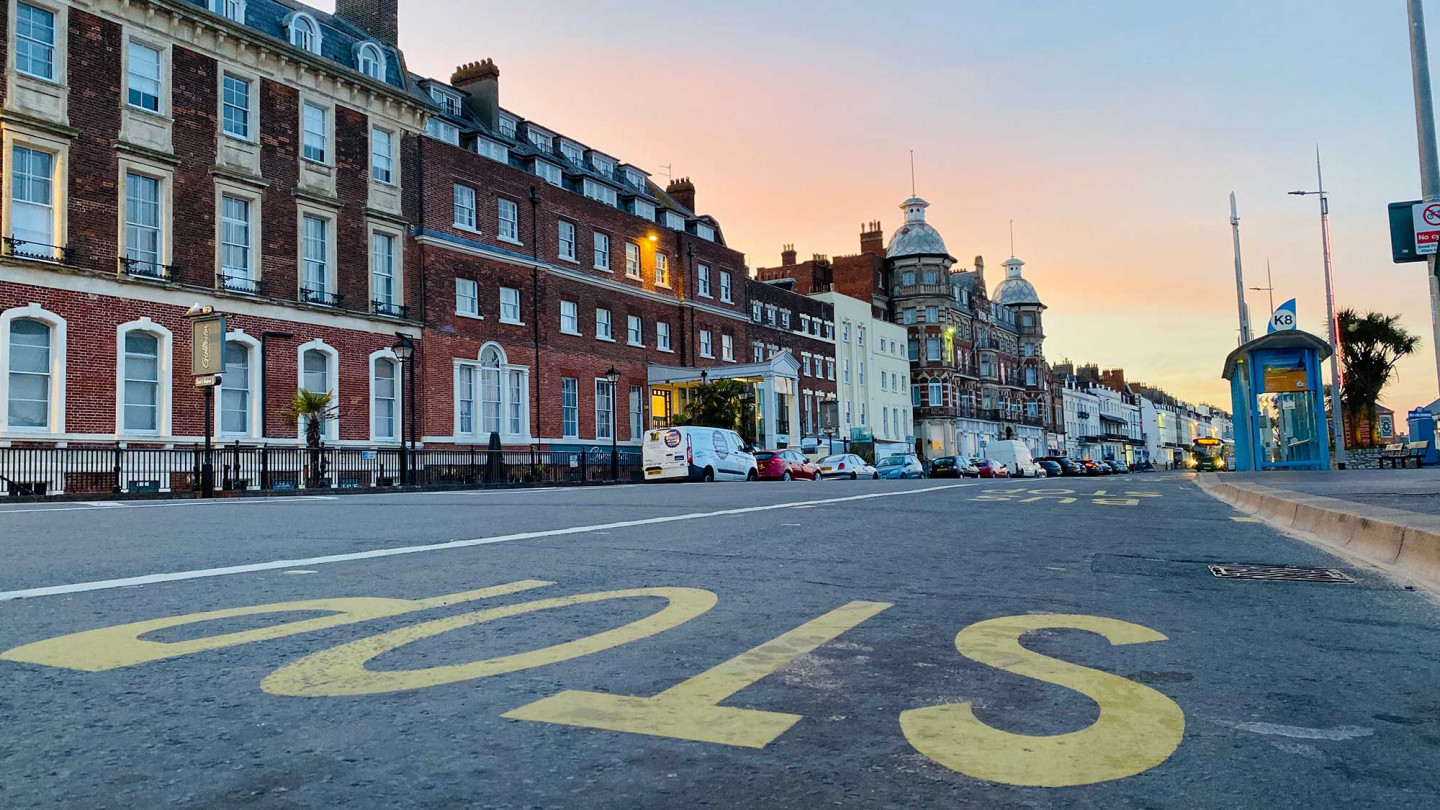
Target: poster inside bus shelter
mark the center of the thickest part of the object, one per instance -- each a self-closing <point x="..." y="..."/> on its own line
<point x="1283" y="372"/>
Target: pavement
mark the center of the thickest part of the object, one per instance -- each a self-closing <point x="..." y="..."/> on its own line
<point x="862" y="644"/>
<point x="1411" y="489"/>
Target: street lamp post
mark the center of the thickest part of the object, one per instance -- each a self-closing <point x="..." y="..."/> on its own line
<point x="1337" y="425"/>
<point x="404" y="349"/>
<point x="614" y="377"/>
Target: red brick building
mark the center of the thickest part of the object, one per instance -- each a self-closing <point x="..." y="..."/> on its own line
<point x="159" y="155"/>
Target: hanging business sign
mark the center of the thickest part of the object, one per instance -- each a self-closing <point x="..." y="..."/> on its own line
<point x="1426" y="216"/>
<point x="1283" y="318"/>
<point x="207" y="345"/>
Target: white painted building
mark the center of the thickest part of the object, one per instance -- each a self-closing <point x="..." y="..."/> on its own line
<point x="872" y="379"/>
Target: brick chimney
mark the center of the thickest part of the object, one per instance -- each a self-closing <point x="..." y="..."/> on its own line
<point x="980" y="270"/>
<point x="872" y="239"/>
<point x="378" y="18"/>
<point x="1114" y="378"/>
<point x="787" y="256"/>
<point x="481" y="80"/>
<point x="683" y="191"/>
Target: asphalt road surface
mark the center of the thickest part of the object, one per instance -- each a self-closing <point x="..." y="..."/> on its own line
<point x="861" y="644"/>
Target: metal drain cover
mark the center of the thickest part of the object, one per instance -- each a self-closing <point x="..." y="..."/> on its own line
<point x="1279" y="573"/>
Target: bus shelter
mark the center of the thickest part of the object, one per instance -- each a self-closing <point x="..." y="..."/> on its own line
<point x="1278" y="397"/>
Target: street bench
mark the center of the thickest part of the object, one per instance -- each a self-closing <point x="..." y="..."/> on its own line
<point x="1399" y="454"/>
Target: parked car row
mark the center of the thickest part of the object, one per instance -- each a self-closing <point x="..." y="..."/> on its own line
<point x="715" y="454"/>
<point x="1090" y="466"/>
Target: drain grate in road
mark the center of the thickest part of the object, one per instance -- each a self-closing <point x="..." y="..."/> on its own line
<point x="1279" y="573"/>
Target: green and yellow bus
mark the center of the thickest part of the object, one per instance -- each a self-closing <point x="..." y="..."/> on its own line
<point x="1208" y="454"/>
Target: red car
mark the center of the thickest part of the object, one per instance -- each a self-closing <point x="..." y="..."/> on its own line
<point x="990" y="469"/>
<point x="785" y="465"/>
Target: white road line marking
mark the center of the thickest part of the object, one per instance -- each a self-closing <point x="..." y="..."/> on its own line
<point x="150" y="579"/>
<point x="89" y="505"/>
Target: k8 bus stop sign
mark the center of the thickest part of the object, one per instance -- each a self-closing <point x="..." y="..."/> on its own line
<point x="1427" y="227"/>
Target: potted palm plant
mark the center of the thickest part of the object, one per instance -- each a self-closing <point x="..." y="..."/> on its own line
<point x="313" y="409"/>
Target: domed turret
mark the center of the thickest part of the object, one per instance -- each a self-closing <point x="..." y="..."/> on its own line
<point x="1015" y="290"/>
<point x="916" y="237"/>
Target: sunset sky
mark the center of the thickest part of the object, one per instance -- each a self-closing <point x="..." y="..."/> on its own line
<point x="1111" y="133"/>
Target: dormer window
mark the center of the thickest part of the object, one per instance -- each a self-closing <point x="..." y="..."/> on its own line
<point x="705" y="232"/>
<point x="601" y="192"/>
<point x="370" y="60"/>
<point x="304" y="32"/>
<point x="549" y="172"/>
<point x="541" y="139"/>
<point x="492" y="149"/>
<point x="642" y="209"/>
<point x="508" y="125"/>
<point x="602" y="164"/>
<point x="635" y="178"/>
<point x="674" y="221"/>
<point x="573" y="152"/>
<point x="448" y="101"/>
<point x="230" y="9"/>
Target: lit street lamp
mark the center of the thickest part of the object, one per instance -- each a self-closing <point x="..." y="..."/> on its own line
<point x="614" y="377"/>
<point x="1337" y="426"/>
<point x="404" y="349"/>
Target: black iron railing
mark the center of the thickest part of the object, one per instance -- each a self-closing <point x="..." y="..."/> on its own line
<point x="323" y="298"/>
<point x="38" y="251"/>
<point x="113" y="469"/>
<point x="144" y="268"/>
<point x="390" y="309"/>
<point x="240" y="284"/>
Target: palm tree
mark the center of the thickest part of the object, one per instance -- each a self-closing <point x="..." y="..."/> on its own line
<point x="313" y="409"/>
<point x="715" y="404"/>
<point x="1370" y="346"/>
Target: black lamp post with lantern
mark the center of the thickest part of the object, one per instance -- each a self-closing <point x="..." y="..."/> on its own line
<point x="404" y="349"/>
<point x="614" y="377"/>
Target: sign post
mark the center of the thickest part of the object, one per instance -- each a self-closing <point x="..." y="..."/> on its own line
<point x="207" y="361"/>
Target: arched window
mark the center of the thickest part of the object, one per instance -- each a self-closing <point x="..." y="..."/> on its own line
<point x="492" y="396"/>
<point x="319" y="366"/>
<point x="370" y="60"/>
<point x="316" y="372"/>
<point x="491" y="361"/>
<point x="235" y="390"/>
<point x="382" y="408"/>
<point x="29" y="378"/>
<point x="142" y="383"/>
<point x="304" y="33"/>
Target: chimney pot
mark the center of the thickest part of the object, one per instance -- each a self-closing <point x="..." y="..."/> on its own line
<point x="787" y="256"/>
<point x="480" y="81"/>
<point x="683" y="191"/>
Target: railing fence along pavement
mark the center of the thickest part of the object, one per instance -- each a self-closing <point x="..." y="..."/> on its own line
<point x="35" y="472"/>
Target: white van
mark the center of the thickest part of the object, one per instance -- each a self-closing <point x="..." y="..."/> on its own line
<point x="1015" y="455"/>
<point x="697" y="454"/>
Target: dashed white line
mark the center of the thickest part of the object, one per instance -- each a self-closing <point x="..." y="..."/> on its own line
<point x="175" y="576"/>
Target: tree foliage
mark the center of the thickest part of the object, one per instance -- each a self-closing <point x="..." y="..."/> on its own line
<point x="313" y="409"/>
<point x="1370" y="346"/>
<point x="717" y="404"/>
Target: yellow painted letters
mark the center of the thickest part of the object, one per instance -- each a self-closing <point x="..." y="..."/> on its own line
<point x="1138" y="727"/>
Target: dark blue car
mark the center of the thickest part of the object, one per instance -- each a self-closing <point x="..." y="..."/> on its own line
<point x="901" y="466"/>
